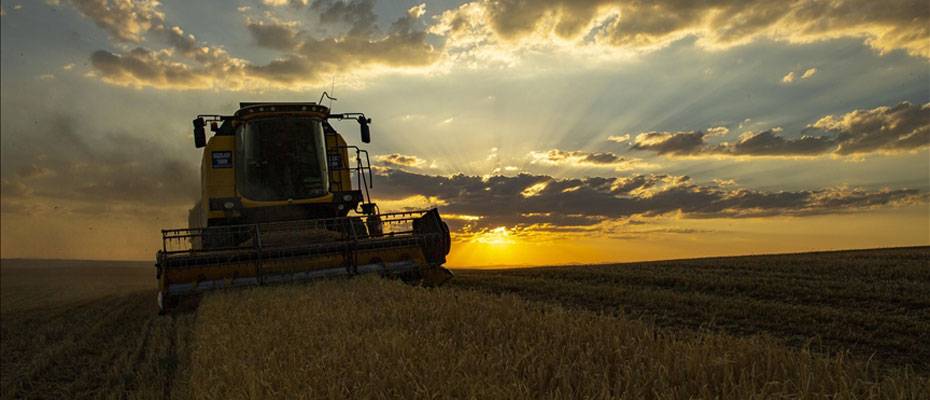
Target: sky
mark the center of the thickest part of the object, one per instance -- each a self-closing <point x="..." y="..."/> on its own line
<point x="546" y="132"/>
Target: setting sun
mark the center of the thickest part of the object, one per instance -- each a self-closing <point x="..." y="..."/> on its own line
<point x="499" y="236"/>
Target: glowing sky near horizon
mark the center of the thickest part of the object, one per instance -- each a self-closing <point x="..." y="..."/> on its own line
<point x="547" y="132"/>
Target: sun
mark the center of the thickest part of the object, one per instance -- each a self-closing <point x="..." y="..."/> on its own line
<point x="499" y="236"/>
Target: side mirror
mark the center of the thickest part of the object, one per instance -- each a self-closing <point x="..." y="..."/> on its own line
<point x="200" y="136"/>
<point x="366" y="133"/>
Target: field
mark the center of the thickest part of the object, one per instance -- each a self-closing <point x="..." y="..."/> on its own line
<point x="873" y="304"/>
<point x="841" y="325"/>
<point x="88" y="329"/>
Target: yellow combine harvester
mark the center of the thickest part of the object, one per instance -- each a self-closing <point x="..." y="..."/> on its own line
<point x="277" y="188"/>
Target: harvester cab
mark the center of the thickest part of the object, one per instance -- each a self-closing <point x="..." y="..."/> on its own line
<point x="284" y="198"/>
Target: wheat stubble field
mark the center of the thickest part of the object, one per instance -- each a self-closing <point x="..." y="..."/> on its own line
<point x="825" y="325"/>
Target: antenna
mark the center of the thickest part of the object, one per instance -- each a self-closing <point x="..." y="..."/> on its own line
<point x="332" y="89"/>
<point x="326" y="96"/>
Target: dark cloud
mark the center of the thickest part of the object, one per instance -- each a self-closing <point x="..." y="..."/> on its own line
<point x="904" y="127"/>
<point x="313" y="59"/>
<point x="537" y="199"/>
<point x="769" y="143"/>
<point x="144" y="67"/>
<point x="278" y="36"/>
<point x="185" y="43"/>
<point x="675" y="143"/>
<point x="358" y="15"/>
<point x="64" y="162"/>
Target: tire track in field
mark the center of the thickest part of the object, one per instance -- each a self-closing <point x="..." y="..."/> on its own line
<point x="50" y="335"/>
<point x="893" y="338"/>
<point x="80" y="362"/>
<point x="172" y="357"/>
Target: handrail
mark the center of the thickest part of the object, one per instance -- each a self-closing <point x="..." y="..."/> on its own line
<point x="360" y="169"/>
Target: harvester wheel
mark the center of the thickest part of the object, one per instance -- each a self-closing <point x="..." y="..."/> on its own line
<point x="166" y="303"/>
<point x="357" y="228"/>
<point x="161" y="303"/>
<point x="374" y="225"/>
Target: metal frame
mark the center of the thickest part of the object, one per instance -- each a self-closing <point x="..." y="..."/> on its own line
<point x="360" y="170"/>
<point x="249" y="242"/>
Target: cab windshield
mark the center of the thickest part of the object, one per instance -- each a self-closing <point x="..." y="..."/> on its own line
<point x="281" y="159"/>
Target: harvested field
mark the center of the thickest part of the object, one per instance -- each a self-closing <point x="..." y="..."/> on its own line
<point x="88" y="329"/>
<point x="676" y="329"/>
<point x="874" y="304"/>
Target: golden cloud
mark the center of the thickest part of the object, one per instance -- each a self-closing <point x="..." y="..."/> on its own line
<point x="307" y="60"/>
<point x="126" y="21"/>
<point x="401" y="160"/>
<point x="579" y="158"/>
<point x="480" y="34"/>
<point x="886" y="26"/>
<point x="902" y="128"/>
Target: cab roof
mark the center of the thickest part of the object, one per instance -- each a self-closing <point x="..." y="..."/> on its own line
<point x="263" y="107"/>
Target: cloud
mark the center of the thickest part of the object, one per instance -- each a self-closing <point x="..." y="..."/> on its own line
<point x="317" y="59"/>
<point x="359" y="15"/>
<point x="273" y="34"/>
<point x="769" y="143"/>
<point x="525" y="200"/>
<point x="281" y="3"/>
<point x="142" y="67"/>
<point x="125" y="21"/>
<point x="309" y="61"/>
<point x="672" y="143"/>
<point x="69" y="165"/>
<point x="347" y="40"/>
<point x="792" y="76"/>
<point x="619" y="138"/>
<point x="809" y="73"/>
<point x="32" y="171"/>
<point x="417" y="11"/>
<point x="717" y="131"/>
<point x="305" y="60"/>
<point x="401" y="160"/>
<point x="902" y="128"/>
<point x="886" y="26"/>
<point x="584" y="159"/>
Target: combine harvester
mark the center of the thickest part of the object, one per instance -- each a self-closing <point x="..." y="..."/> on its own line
<point x="276" y="192"/>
